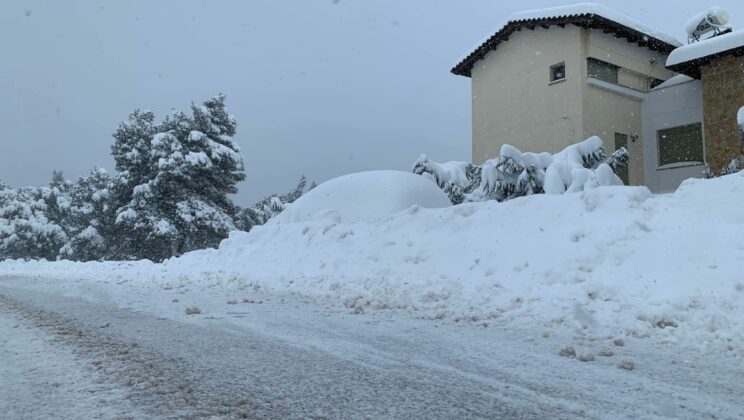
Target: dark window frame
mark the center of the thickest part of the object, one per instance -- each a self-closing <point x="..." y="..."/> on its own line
<point x="664" y="133"/>
<point x="604" y="66"/>
<point x="553" y="68"/>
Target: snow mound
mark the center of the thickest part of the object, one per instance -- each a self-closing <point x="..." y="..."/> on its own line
<point x="364" y="196"/>
<point x="609" y="261"/>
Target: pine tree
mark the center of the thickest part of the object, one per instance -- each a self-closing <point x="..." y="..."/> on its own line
<point x="179" y="196"/>
<point x="25" y="230"/>
<point x="90" y="217"/>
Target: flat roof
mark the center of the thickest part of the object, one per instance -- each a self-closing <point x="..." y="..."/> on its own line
<point x="690" y="58"/>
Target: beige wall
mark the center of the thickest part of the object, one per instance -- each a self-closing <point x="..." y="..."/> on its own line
<point x="607" y="112"/>
<point x="513" y="101"/>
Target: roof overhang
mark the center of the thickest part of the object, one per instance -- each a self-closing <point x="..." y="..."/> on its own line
<point x="584" y="20"/>
<point x="693" y="68"/>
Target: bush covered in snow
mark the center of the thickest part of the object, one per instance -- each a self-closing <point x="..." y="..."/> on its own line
<point x="515" y="174"/>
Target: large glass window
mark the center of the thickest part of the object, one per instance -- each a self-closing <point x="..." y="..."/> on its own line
<point x="603" y="71"/>
<point x="681" y="144"/>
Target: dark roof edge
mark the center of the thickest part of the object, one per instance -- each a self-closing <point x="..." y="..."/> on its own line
<point x="692" y="67"/>
<point x="585" y="20"/>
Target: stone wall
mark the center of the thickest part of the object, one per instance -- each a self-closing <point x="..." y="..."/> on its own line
<point x="723" y="95"/>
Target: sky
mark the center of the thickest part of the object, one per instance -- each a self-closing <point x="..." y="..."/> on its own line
<point x="318" y="87"/>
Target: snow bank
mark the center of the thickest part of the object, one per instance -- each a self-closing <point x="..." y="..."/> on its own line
<point x="612" y="260"/>
<point x="364" y="196"/>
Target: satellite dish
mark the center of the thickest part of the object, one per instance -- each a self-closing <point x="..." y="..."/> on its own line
<point x="713" y="20"/>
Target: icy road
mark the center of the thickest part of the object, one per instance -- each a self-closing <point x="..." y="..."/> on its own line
<point x="88" y="353"/>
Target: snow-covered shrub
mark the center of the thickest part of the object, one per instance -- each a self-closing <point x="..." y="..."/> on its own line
<point x="515" y="174"/>
<point x="734" y="166"/>
<point x="457" y="179"/>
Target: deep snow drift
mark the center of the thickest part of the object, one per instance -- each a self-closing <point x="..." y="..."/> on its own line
<point x="614" y="260"/>
<point x="364" y="196"/>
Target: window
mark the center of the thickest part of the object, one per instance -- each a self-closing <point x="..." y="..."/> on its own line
<point x="557" y="72"/>
<point x="602" y="71"/>
<point x="681" y="144"/>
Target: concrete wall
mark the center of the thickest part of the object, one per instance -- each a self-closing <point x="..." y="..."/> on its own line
<point x="628" y="55"/>
<point x="666" y="108"/>
<point x="514" y="101"/>
<point x="609" y="110"/>
<point x="723" y="95"/>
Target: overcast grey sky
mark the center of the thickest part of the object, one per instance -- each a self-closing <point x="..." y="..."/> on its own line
<point x="319" y="87"/>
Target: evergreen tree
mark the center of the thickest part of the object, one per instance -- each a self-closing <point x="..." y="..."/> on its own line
<point x="25" y="230"/>
<point x="179" y="197"/>
<point x="90" y="217"/>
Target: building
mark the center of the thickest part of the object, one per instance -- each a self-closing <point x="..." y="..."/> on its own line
<point x="552" y="77"/>
<point x="718" y="66"/>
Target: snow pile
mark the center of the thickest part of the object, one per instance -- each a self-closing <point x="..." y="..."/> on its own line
<point x="712" y="17"/>
<point x="570" y="170"/>
<point x="612" y="260"/>
<point x="364" y="196"/>
<point x="706" y="47"/>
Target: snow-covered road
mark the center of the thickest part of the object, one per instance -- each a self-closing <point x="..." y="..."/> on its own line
<point x="97" y="354"/>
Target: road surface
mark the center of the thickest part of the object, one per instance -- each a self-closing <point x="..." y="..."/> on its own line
<point x="73" y="355"/>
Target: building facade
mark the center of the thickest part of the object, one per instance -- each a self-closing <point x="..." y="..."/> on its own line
<point x="553" y="77"/>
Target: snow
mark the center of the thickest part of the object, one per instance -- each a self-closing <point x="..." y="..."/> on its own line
<point x="364" y="196"/>
<point x="616" y="260"/>
<point x="567" y="173"/>
<point x="706" y="47"/>
<point x="692" y="24"/>
<point x="595" y="9"/>
<point x="740" y="117"/>
<point x="580" y="9"/>
<point x="674" y="81"/>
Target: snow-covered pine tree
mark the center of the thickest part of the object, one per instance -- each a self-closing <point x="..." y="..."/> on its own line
<point x="296" y="193"/>
<point x="179" y="198"/>
<point x="56" y="197"/>
<point x="269" y="207"/>
<point x="25" y="230"/>
<point x="90" y="217"/>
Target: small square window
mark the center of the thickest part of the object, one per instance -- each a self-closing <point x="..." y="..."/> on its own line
<point x="557" y="72"/>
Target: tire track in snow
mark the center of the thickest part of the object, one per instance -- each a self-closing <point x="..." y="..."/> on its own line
<point x="158" y="385"/>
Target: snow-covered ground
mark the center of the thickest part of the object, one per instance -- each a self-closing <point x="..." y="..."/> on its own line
<point x="615" y="260"/>
<point x="662" y="273"/>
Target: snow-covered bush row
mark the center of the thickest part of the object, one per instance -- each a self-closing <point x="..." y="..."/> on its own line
<point x="171" y="194"/>
<point x="516" y="174"/>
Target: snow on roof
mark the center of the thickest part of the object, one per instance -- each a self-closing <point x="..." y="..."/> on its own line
<point x="593" y="9"/>
<point x="673" y="81"/>
<point x="715" y="45"/>
<point x="562" y="13"/>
